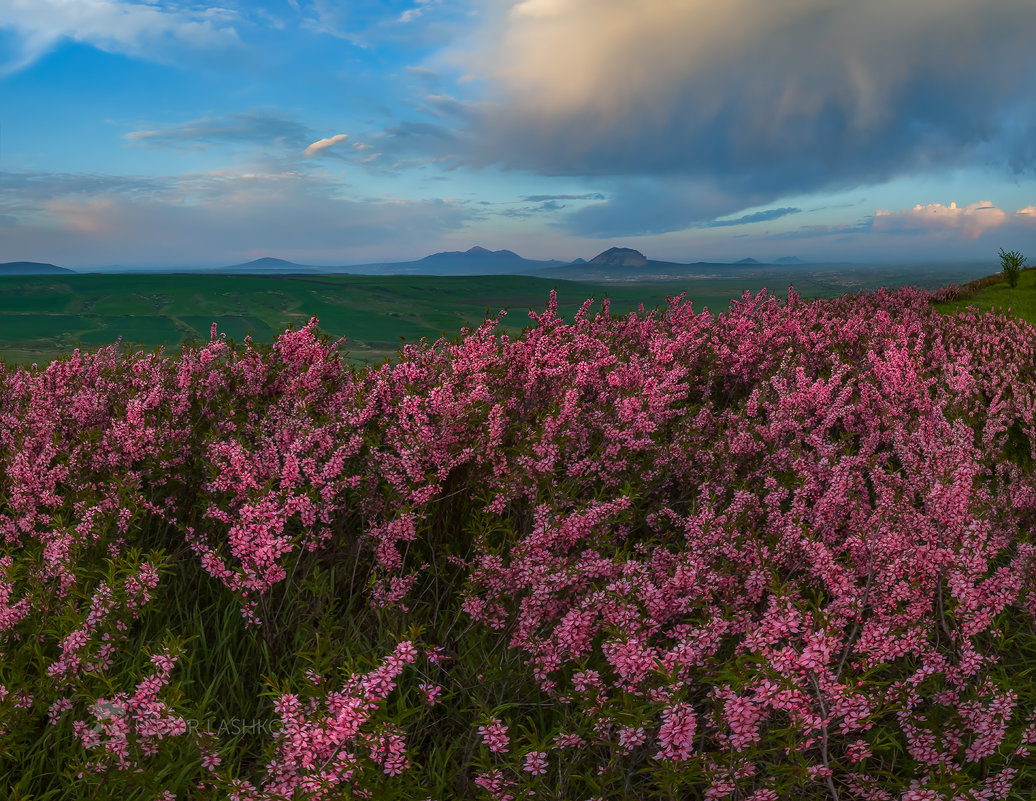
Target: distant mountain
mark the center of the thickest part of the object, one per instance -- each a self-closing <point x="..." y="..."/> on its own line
<point x="613" y="264"/>
<point x="472" y="256"/>
<point x="478" y="260"/>
<point x="268" y="265"/>
<point x="31" y="268"/>
<point x="627" y="264"/>
<point x="620" y="257"/>
<point x="474" y="261"/>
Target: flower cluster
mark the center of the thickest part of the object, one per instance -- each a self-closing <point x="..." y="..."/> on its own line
<point x="782" y="551"/>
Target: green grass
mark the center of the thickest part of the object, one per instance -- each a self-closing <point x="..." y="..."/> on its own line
<point x="144" y="330"/>
<point x="994" y="293"/>
<point x="30" y="294"/>
<point x="235" y="327"/>
<point x="20" y="327"/>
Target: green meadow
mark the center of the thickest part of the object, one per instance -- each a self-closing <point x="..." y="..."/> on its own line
<point x="43" y="317"/>
<point x="993" y="293"/>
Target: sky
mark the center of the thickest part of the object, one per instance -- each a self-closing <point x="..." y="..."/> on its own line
<point x="336" y="132"/>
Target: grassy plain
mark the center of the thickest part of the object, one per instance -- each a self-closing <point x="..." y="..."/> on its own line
<point x="43" y="317"/>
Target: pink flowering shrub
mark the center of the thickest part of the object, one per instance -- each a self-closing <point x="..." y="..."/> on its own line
<point x="780" y="552"/>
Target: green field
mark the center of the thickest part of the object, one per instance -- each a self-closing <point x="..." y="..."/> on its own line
<point x="43" y="317"/>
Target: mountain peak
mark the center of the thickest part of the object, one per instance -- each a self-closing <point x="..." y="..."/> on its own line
<point x="266" y="265"/>
<point x="620" y="257"/>
<point x="268" y="261"/>
<point x="749" y="260"/>
<point x="478" y="252"/>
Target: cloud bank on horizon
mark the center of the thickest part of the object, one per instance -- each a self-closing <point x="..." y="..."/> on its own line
<point x="688" y="129"/>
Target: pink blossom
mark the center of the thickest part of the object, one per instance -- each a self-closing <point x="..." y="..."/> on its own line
<point x="494" y="735"/>
<point x="676" y="735"/>
<point x="536" y="762"/>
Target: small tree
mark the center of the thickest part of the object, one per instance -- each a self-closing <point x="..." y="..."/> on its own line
<point x="1011" y="264"/>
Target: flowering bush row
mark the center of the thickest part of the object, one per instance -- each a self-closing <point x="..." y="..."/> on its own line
<point x="780" y="552"/>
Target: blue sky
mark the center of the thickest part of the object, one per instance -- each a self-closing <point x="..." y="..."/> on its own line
<point x="159" y="133"/>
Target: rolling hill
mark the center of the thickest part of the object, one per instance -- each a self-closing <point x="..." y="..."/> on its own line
<point x="30" y="268"/>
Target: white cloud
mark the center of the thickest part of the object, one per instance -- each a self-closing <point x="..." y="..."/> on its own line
<point x="323" y="144"/>
<point x="135" y="29"/>
<point x="539" y="8"/>
<point x="971" y="221"/>
<point x="331" y="19"/>
<point x="413" y="13"/>
<point x="422" y="71"/>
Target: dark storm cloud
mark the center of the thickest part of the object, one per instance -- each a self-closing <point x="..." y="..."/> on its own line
<point x="543" y="198"/>
<point x="645" y="206"/>
<point x="778" y="98"/>
<point x="523" y="212"/>
<point x="258" y="127"/>
<point x="759" y="216"/>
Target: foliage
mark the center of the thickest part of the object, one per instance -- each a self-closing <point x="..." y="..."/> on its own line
<point x="780" y="552"/>
<point x="1011" y="264"/>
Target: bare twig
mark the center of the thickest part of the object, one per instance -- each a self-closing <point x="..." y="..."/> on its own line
<point x="829" y="779"/>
